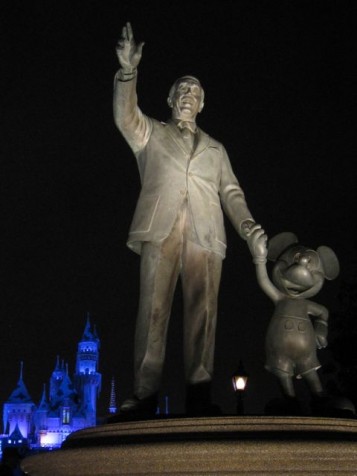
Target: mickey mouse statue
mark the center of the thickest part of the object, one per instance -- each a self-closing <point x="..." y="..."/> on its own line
<point x="298" y="326"/>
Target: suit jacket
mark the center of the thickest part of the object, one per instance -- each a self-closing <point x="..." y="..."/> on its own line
<point x="170" y="174"/>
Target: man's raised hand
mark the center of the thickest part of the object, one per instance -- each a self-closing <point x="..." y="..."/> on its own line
<point x="129" y="53"/>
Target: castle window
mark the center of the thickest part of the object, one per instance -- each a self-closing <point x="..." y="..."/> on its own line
<point x="66" y="415"/>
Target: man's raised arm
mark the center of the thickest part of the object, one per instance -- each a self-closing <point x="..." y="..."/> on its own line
<point x="134" y="126"/>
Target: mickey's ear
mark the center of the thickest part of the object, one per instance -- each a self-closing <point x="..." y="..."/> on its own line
<point x="279" y="243"/>
<point x="329" y="261"/>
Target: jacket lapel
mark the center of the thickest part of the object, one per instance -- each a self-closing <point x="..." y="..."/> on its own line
<point x="202" y="142"/>
<point x="176" y="136"/>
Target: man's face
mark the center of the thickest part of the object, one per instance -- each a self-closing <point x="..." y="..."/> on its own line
<point x="187" y="99"/>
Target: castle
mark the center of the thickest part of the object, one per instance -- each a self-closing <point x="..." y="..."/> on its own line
<point x="69" y="406"/>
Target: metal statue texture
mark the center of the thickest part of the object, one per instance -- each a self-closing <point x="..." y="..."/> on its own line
<point x="177" y="229"/>
<point x="299" y="326"/>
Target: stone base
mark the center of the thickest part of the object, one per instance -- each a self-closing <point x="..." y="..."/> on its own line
<point x="206" y="446"/>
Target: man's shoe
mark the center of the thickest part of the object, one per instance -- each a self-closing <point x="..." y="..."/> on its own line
<point x="136" y="409"/>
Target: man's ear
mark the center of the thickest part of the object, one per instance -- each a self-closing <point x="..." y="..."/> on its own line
<point x="201" y="106"/>
<point x="169" y="102"/>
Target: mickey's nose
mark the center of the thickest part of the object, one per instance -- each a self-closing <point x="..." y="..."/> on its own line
<point x="299" y="274"/>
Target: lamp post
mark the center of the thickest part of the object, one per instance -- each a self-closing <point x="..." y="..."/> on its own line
<point x="239" y="380"/>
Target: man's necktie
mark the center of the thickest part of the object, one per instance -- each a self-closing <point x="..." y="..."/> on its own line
<point x="188" y="132"/>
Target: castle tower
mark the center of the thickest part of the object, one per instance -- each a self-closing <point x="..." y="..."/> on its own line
<point x="87" y="378"/>
<point x="56" y="378"/>
<point x="19" y="409"/>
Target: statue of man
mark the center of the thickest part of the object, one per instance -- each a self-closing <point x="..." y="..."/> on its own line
<point x="177" y="229"/>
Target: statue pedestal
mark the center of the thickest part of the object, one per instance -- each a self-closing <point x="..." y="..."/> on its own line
<point x="203" y="446"/>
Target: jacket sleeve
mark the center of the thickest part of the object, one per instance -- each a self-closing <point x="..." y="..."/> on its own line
<point x="232" y="197"/>
<point x="135" y="126"/>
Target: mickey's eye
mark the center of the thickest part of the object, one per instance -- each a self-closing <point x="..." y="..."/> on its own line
<point x="313" y="259"/>
<point x="297" y="257"/>
<point x="308" y="258"/>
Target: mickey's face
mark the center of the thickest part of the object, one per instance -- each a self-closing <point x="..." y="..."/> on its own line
<point x="298" y="272"/>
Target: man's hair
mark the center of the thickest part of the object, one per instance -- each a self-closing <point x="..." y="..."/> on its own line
<point x="178" y="81"/>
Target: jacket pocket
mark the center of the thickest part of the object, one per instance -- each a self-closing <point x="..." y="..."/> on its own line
<point x="218" y="223"/>
<point x="144" y="213"/>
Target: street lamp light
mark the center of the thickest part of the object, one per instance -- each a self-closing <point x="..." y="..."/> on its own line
<point x="239" y="380"/>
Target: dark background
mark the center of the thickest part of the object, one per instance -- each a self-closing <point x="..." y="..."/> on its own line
<point x="279" y="96"/>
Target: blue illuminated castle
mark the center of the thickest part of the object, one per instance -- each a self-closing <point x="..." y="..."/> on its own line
<point x="69" y="406"/>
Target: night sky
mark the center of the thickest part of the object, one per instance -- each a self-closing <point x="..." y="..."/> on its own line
<point x="278" y="83"/>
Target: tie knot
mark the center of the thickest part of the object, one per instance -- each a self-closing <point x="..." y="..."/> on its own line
<point x="187" y="126"/>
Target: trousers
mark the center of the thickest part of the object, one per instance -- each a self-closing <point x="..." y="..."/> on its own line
<point x="200" y="272"/>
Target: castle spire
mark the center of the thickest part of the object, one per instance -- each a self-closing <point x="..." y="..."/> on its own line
<point x="21" y="370"/>
<point x="56" y="378"/>
<point x="87" y="330"/>
<point x="89" y="334"/>
<point x="43" y="403"/>
<point x="20" y="394"/>
<point x="112" y="401"/>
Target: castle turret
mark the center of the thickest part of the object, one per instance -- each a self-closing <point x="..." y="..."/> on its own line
<point x="56" y="378"/>
<point x="19" y="409"/>
<point x="87" y="378"/>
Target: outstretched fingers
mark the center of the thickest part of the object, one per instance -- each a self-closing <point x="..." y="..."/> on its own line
<point x="129" y="32"/>
<point x="126" y="36"/>
<point x="126" y="33"/>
